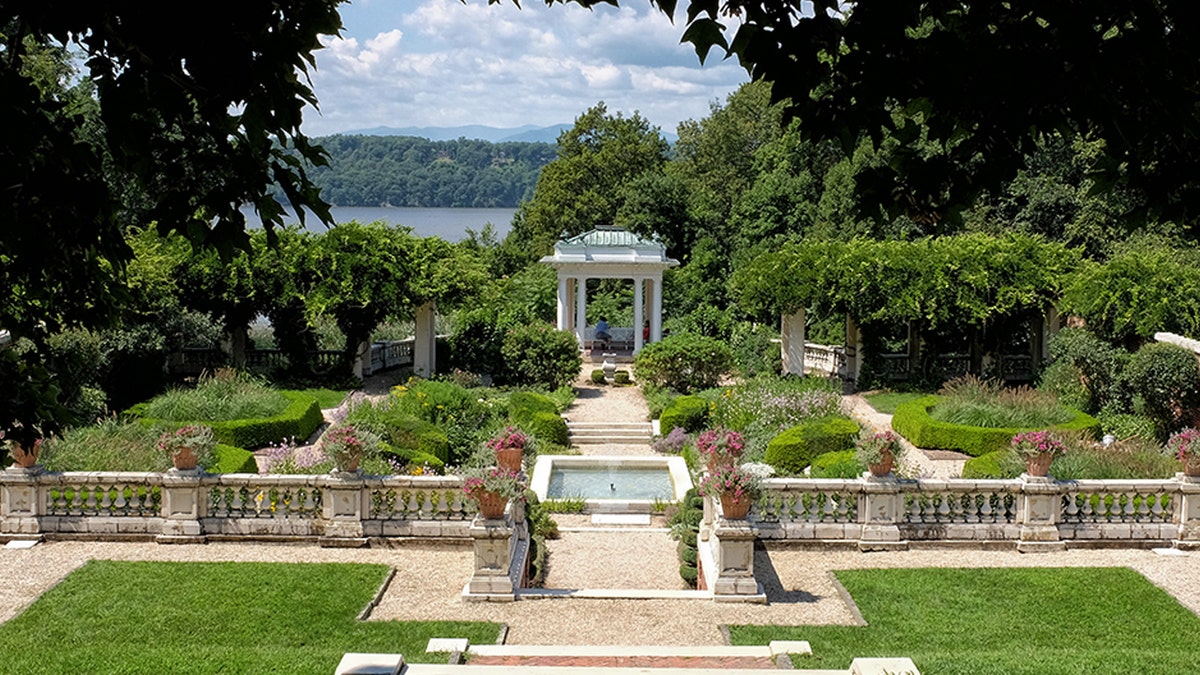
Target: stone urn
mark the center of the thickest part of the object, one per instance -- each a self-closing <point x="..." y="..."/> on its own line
<point x="1038" y="465"/>
<point x="609" y="367"/>
<point x="735" y="509"/>
<point x="26" y="459"/>
<point x="491" y="505"/>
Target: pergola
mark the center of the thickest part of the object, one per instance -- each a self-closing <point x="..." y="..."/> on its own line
<point x="610" y="252"/>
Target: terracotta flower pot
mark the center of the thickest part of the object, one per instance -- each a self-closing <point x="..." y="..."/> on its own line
<point x="185" y="459"/>
<point x="491" y="505"/>
<point x="735" y="509"/>
<point x="509" y="458"/>
<point x="1038" y="465"/>
<point x="1191" y="469"/>
<point x="884" y="466"/>
<point x="26" y="459"/>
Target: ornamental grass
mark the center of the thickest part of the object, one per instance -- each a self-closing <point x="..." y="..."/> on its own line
<point x="222" y="397"/>
<point x="975" y="402"/>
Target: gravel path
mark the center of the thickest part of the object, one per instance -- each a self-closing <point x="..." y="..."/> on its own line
<point x="614" y="558"/>
<point x="429" y="580"/>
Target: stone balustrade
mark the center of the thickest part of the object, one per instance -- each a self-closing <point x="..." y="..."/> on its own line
<point x="182" y="506"/>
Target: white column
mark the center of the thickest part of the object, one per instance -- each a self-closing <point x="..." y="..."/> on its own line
<point x="638" y="313"/>
<point x="656" y="310"/>
<point x="791" y="344"/>
<point x="580" y="309"/>
<point x="425" y="341"/>
<point x="564" y="303"/>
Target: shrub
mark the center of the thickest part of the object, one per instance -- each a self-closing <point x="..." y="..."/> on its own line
<point x="689" y="573"/>
<point x="523" y="402"/>
<point x="841" y="464"/>
<point x="1167" y="378"/>
<point x="687" y="554"/>
<point x="598" y="376"/>
<point x="672" y="443"/>
<point x="299" y="419"/>
<point x="795" y="448"/>
<point x="434" y="401"/>
<point x="621" y="377"/>
<point x="1124" y="425"/>
<point x="912" y="420"/>
<point x="1066" y="382"/>
<point x="548" y="427"/>
<point x="405" y="434"/>
<point x="688" y="412"/>
<point x="539" y="354"/>
<point x="980" y="403"/>
<point x="223" y="397"/>
<point x="1099" y="363"/>
<point x="754" y="353"/>
<point x="986" y="466"/>
<point x="228" y="459"/>
<point x="685" y="362"/>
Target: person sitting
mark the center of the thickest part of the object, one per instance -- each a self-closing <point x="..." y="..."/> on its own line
<point x="646" y="331"/>
<point x="602" y="334"/>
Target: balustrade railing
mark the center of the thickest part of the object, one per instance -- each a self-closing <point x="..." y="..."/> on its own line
<point x="193" y="506"/>
<point x="825" y="359"/>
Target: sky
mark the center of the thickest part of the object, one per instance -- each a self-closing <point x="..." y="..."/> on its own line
<point x="443" y="63"/>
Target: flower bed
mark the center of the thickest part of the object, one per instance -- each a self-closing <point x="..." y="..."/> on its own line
<point x="298" y="420"/>
<point x="912" y="420"/>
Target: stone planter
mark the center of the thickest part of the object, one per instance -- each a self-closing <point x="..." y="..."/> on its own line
<point x="185" y="459"/>
<point x="1191" y="469"/>
<point x="735" y="509"/>
<point x="510" y="459"/>
<point x="491" y="505"/>
<point x="1038" y="465"/>
<point x="26" y="459"/>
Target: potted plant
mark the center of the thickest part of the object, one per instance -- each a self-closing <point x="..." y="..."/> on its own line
<point x="345" y="444"/>
<point x="1185" y="446"/>
<point x="188" y="446"/>
<point x="492" y="488"/>
<point x="879" y="451"/>
<point x="720" y="447"/>
<point x="1038" y="449"/>
<point x="509" y="447"/>
<point x="736" y="487"/>
<point x="25" y="459"/>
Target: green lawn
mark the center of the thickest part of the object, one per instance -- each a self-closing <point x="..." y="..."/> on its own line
<point x="1051" y="621"/>
<point x="887" y="401"/>
<point x="150" y="617"/>
<point x="328" y="398"/>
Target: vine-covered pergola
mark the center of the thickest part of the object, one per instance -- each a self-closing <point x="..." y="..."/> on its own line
<point x="971" y="283"/>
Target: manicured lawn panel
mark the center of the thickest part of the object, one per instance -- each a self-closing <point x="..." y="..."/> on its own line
<point x="150" y="617"/>
<point x="1004" y="621"/>
<point x="327" y="398"/>
<point x="886" y="402"/>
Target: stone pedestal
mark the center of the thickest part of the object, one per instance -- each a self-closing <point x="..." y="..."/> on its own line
<point x="733" y="546"/>
<point x="706" y="523"/>
<point x="1188" y="515"/>
<point x="881" y="507"/>
<point x="1038" y="513"/>
<point x="182" y="508"/>
<point x="342" y="510"/>
<point x="495" y="544"/>
<point x="20" y="506"/>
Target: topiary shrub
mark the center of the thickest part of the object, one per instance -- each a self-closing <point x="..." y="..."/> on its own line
<point x="598" y="377"/>
<point x="840" y="464"/>
<point x="687" y="554"/>
<point x="794" y="449"/>
<point x="689" y="574"/>
<point x="913" y="422"/>
<point x="1099" y="364"/>
<point x="1167" y="378"/>
<point x="298" y="420"/>
<point x="228" y="459"/>
<point x="522" y="402"/>
<point x="685" y="362"/>
<point x="985" y="466"/>
<point x="1066" y="382"/>
<point x="539" y="354"/>
<point x="548" y="427"/>
<point x="688" y="412"/>
<point x="621" y="377"/>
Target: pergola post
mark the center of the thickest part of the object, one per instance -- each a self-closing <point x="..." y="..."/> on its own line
<point x="564" y="303"/>
<point x="581" y="310"/>
<point x="425" y="341"/>
<point x="656" y="310"/>
<point x="791" y="343"/>
<point x="638" y="314"/>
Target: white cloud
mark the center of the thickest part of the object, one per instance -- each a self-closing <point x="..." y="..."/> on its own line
<point x="444" y="63"/>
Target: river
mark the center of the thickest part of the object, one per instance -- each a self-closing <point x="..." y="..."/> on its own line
<point x="449" y="224"/>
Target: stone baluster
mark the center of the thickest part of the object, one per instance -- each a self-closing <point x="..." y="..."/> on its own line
<point x="1187" y="513"/>
<point x="881" y="508"/>
<point x="1039" y="512"/>
<point x="182" y="508"/>
<point x="342" y="509"/>
<point x="21" y="503"/>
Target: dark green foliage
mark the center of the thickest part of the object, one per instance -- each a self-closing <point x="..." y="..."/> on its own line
<point x="912" y="421"/>
<point x="1063" y="379"/>
<point x="546" y="426"/>
<point x="685" y="362"/>
<point x="687" y="554"/>
<point x="794" y="449"/>
<point x="541" y="527"/>
<point x="754" y="353"/>
<point x="688" y="573"/>
<point x="228" y="459"/>
<point x="1124" y="425"/>
<point x="521" y="403"/>
<point x="841" y="464"/>
<point x="621" y="377"/>
<point x="539" y="354"/>
<point x="298" y="420"/>
<point x="1167" y="378"/>
<point x="985" y="466"/>
<point x="408" y="171"/>
<point x="1138" y="292"/>
<point x="688" y="537"/>
<point x="684" y="526"/>
<point x="598" y="377"/>
<point x="1098" y="363"/>
<point x="688" y="412"/>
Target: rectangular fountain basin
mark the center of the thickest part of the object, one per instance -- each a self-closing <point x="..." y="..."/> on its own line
<point x="612" y="484"/>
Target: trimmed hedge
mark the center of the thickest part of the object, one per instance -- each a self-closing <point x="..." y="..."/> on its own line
<point x="913" y="422"/>
<point x="520" y="402"/>
<point x="796" y="448"/>
<point x="549" y="427"/>
<point x="840" y="464"/>
<point x="689" y="412"/>
<point x="407" y="456"/>
<point x="417" y="437"/>
<point x="299" y="420"/>
<point x="598" y="377"/>
<point x="621" y="377"/>
<point x="984" y="466"/>
<point x="228" y="459"/>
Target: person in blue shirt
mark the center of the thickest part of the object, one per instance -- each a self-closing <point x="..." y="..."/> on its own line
<point x="602" y="331"/>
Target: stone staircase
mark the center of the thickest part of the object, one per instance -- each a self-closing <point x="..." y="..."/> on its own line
<point x="617" y="433"/>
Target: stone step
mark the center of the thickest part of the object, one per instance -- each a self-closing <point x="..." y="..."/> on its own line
<point x="610" y="440"/>
<point x="609" y="425"/>
<point x="624" y="431"/>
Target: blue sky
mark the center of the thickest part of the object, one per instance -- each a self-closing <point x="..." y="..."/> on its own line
<point x="406" y="63"/>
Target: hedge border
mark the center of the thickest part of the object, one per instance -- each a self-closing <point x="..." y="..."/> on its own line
<point x="913" y="422"/>
<point x="298" y="420"/>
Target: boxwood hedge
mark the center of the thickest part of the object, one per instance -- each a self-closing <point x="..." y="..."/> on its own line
<point x="228" y="459"/>
<point x="912" y="421"/>
<point x="298" y="421"/>
<point x="689" y="412"/>
<point x="797" y="447"/>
